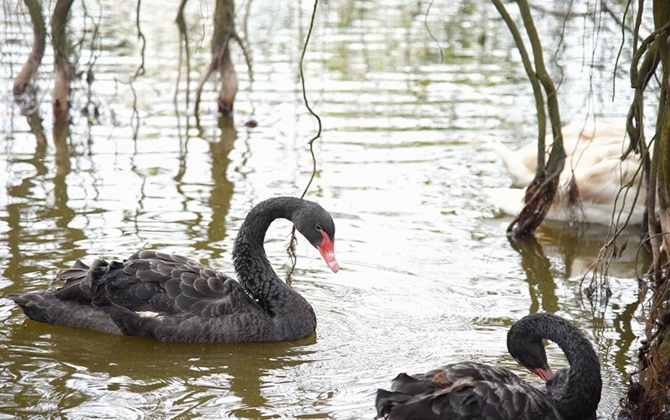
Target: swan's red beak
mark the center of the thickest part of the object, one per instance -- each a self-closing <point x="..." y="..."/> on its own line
<point x="327" y="250"/>
<point x="545" y="373"/>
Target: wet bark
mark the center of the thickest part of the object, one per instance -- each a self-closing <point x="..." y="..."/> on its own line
<point x="224" y="32"/>
<point x="23" y="90"/>
<point x="541" y="191"/>
<point x="60" y="95"/>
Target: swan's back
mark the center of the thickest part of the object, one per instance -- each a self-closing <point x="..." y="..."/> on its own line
<point x="151" y="294"/>
<point x="465" y="390"/>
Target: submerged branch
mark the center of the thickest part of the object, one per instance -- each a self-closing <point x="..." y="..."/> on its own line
<point x="24" y="95"/>
<point x="224" y="31"/>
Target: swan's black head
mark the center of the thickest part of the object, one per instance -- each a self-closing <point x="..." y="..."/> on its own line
<point x="316" y="224"/>
<point x="527" y="348"/>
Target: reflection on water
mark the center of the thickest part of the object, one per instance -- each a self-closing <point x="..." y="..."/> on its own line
<point x="537" y="267"/>
<point x="428" y="275"/>
<point x="140" y="375"/>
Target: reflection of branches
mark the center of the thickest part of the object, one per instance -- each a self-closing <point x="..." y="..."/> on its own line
<point x="430" y="33"/>
<point x="15" y="210"/>
<point x="91" y="108"/>
<point x="538" y="273"/>
<point x="626" y="336"/>
<point x="135" y="119"/>
<point x="36" y="127"/>
<point x="222" y="190"/>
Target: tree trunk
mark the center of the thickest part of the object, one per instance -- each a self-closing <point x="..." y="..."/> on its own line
<point x="224" y="31"/>
<point x="186" y="56"/>
<point x="24" y="95"/>
<point x="540" y="193"/>
<point x="60" y="95"/>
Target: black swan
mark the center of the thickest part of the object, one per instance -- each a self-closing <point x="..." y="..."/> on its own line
<point x="171" y="298"/>
<point x="472" y="390"/>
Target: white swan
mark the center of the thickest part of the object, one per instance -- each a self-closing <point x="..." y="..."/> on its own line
<point x="593" y="162"/>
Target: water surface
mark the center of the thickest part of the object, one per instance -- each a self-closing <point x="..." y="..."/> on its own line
<point x="427" y="276"/>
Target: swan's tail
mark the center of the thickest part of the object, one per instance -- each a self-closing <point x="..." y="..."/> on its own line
<point x="517" y="169"/>
<point x="46" y="307"/>
<point x="397" y="405"/>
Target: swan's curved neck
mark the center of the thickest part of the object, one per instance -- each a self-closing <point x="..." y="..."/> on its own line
<point x="580" y="396"/>
<point x="254" y="271"/>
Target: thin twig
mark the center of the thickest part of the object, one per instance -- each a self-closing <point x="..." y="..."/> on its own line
<point x="430" y="33"/>
<point x="291" y="247"/>
<point x="140" y="70"/>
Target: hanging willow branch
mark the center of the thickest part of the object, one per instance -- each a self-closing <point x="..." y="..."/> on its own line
<point x="541" y="191"/>
<point x="292" y="242"/>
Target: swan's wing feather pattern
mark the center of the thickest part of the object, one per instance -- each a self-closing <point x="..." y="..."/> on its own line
<point x="155" y="295"/>
<point x="151" y="281"/>
<point x="467" y="390"/>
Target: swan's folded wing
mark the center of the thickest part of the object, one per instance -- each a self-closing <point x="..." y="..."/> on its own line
<point x="174" y="284"/>
<point x="472" y="371"/>
<point x="155" y="282"/>
<point x="493" y="400"/>
<point x="468" y="399"/>
<point x="464" y="390"/>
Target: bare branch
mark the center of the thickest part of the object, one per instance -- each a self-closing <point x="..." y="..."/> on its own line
<point x="291" y="246"/>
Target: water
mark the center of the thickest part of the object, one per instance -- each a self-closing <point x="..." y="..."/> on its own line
<point x="427" y="276"/>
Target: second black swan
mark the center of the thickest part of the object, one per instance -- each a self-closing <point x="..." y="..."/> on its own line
<point x="473" y="390"/>
<point x="171" y="298"/>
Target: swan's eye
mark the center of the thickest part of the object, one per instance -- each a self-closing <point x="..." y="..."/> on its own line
<point x="319" y="228"/>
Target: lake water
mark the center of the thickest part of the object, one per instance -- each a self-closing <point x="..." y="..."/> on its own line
<point x="410" y="102"/>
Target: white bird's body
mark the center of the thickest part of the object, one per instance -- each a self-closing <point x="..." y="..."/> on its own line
<point x="594" y="164"/>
